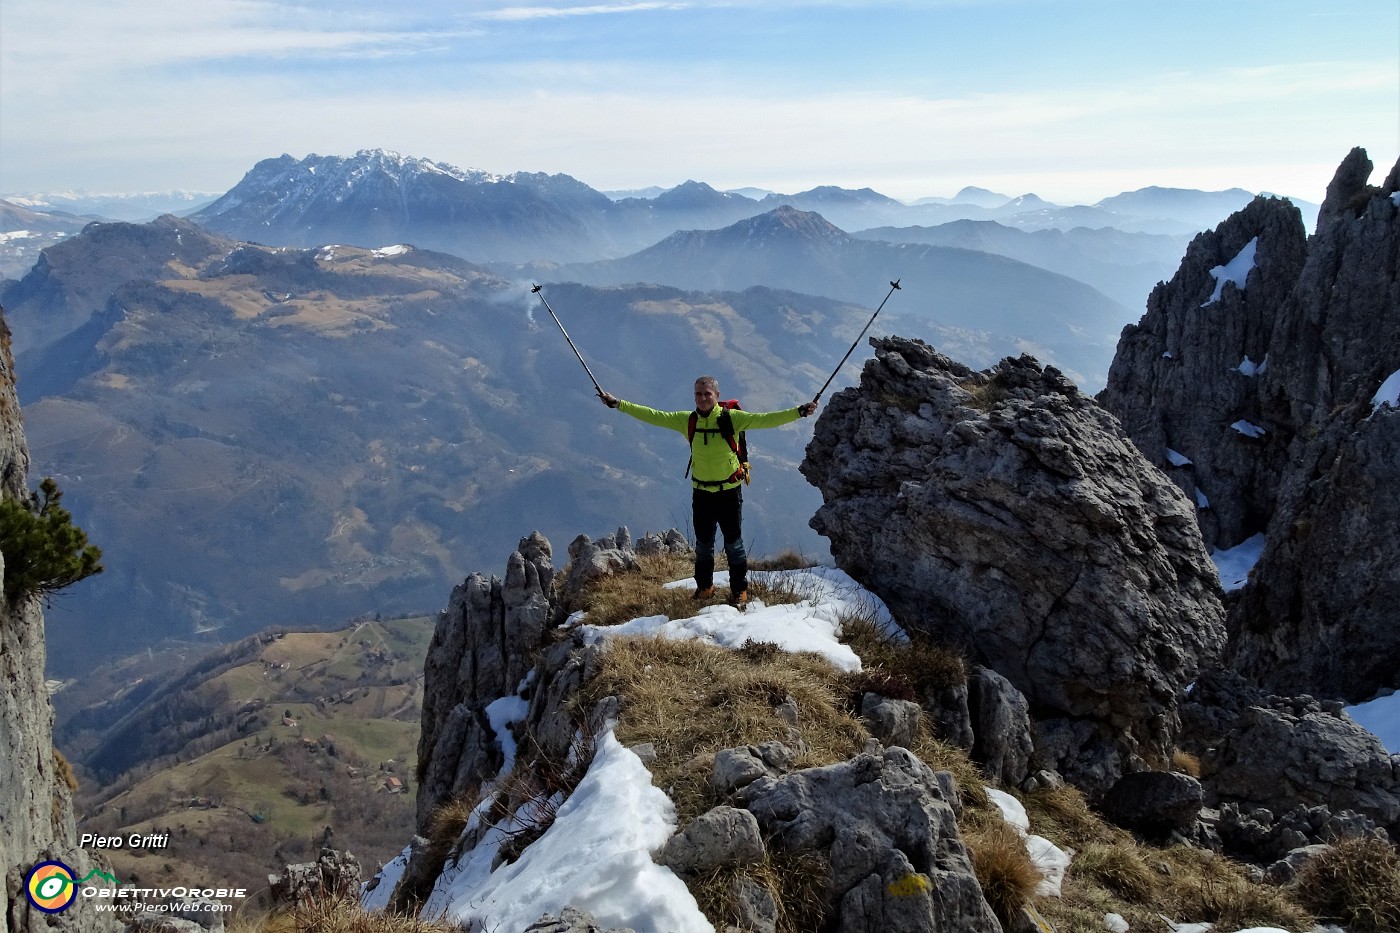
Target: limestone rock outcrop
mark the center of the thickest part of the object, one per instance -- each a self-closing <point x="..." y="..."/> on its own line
<point x="887" y="826"/>
<point x="1008" y="514"/>
<point x="1268" y="756"/>
<point x="1185" y="379"/>
<point x="1258" y="401"/>
<point x="36" y="806"/>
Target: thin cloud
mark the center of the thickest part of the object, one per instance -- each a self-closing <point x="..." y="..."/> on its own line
<point x="519" y="13"/>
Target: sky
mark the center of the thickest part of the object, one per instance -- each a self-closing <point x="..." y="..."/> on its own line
<point x="1073" y="100"/>
<point x="597" y="853"/>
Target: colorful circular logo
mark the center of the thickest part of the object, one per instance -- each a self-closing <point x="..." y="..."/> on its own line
<point x="51" y="887"/>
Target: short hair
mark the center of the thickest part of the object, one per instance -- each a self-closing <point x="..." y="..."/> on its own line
<point x="708" y="381"/>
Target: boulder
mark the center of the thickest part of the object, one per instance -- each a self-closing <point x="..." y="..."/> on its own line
<point x="1286" y="771"/>
<point x="736" y="768"/>
<point x="1154" y="804"/>
<point x="1001" y="722"/>
<point x="719" y="837"/>
<point x="889" y="833"/>
<point x="893" y="722"/>
<point x="334" y="876"/>
<point x="1008" y="514"/>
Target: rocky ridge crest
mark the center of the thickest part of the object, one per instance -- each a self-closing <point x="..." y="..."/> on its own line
<point x="1258" y="402"/>
<point x="1006" y="513"/>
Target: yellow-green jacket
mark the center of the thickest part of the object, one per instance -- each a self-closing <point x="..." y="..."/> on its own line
<point x="711" y="459"/>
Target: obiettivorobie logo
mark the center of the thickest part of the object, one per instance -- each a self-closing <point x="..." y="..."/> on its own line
<point x="52" y="888"/>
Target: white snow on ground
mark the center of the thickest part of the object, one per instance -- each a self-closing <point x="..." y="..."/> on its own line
<point x="810" y="625"/>
<point x="385" y="252"/>
<point x="1176" y="458"/>
<point x="1389" y="392"/>
<point x="1236" y="563"/>
<point x="1049" y="859"/>
<point x="597" y="854"/>
<point x="1236" y="270"/>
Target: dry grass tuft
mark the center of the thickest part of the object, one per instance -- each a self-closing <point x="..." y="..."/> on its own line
<point x="691" y="699"/>
<point x="622" y="597"/>
<point x="1062" y="816"/>
<point x="1119" y="868"/>
<point x="1186" y="763"/>
<point x="925" y="667"/>
<point x="787" y="559"/>
<point x="1004" y="869"/>
<point x="1357" y="885"/>
<point x="1205" y="887"/>
<point x="448" y="822"/>
<point x="65" y="770"/>
<point x="797" y="883"/>
<point x="331" y="915"/>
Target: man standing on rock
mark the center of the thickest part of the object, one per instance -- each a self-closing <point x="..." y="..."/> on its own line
<point x="717" y="475"/>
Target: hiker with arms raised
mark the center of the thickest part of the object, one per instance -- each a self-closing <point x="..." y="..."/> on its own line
<point x="717" y="475"/>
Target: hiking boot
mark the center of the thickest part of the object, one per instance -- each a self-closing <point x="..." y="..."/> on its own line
<point x="703" y="592"/>
<point x="739" y="600"/>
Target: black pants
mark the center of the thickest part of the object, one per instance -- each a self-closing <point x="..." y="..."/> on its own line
<point x="724" y="508"/>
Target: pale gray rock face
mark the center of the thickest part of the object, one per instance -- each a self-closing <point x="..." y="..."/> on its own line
<point x="719" y="837"/>
<point x="482" y="648"/>
<point x="1288" y="771"/>
<point x="1319" y="614"/>
<point x="572" y="920"/>
<point x="1190" y="369"/>
<point x="1001" y="721"/>
<point x="1267" y="392"/>
<point x="890" y="834"/>
<point x="1008" y="514"/>
<point x="893" y="722"/>
<point x="36" y="806"/>
<point x="334" y="874"/>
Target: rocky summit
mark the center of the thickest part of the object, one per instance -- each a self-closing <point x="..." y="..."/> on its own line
<point x="1253" y="380"/>
<point x="1006" y="513"/>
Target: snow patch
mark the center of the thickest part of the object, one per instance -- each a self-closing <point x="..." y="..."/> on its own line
<point x="1250" y="368"/>
<point x="1050" y="860"/>
<point x="1249" y="429"/>
<point x="1235" y="563"/>
<point x="1177" y="459"/>
<point x="596" y="856"/>
<point x="1236" y="270"/>
<point x="1388" y="395"/>
<point x="813" y="624"/>
<point x="384" y="252"/>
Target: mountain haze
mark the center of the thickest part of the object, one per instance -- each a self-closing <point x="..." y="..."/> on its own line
<point x="1015" y="306"/>
<point x="257" y="435"/>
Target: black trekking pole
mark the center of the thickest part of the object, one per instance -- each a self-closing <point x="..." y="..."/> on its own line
<point x="536" y="291"/>
<point x="894" y="286"/>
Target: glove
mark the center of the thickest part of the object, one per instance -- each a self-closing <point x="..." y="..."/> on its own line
<point x="806" y="409"/>
<point x="607" y="398"/>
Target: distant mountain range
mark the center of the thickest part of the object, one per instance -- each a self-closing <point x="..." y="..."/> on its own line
<point x="255" y="434"/>
<point x="378" y="197"/>
<point x="330" y="423"/>
<point x="1019" y="306"/>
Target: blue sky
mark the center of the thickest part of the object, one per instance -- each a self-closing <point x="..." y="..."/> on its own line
<point x="1073" y="100"/>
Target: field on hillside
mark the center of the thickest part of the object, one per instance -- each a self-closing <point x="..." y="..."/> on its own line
<point x="256" y="756"/>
